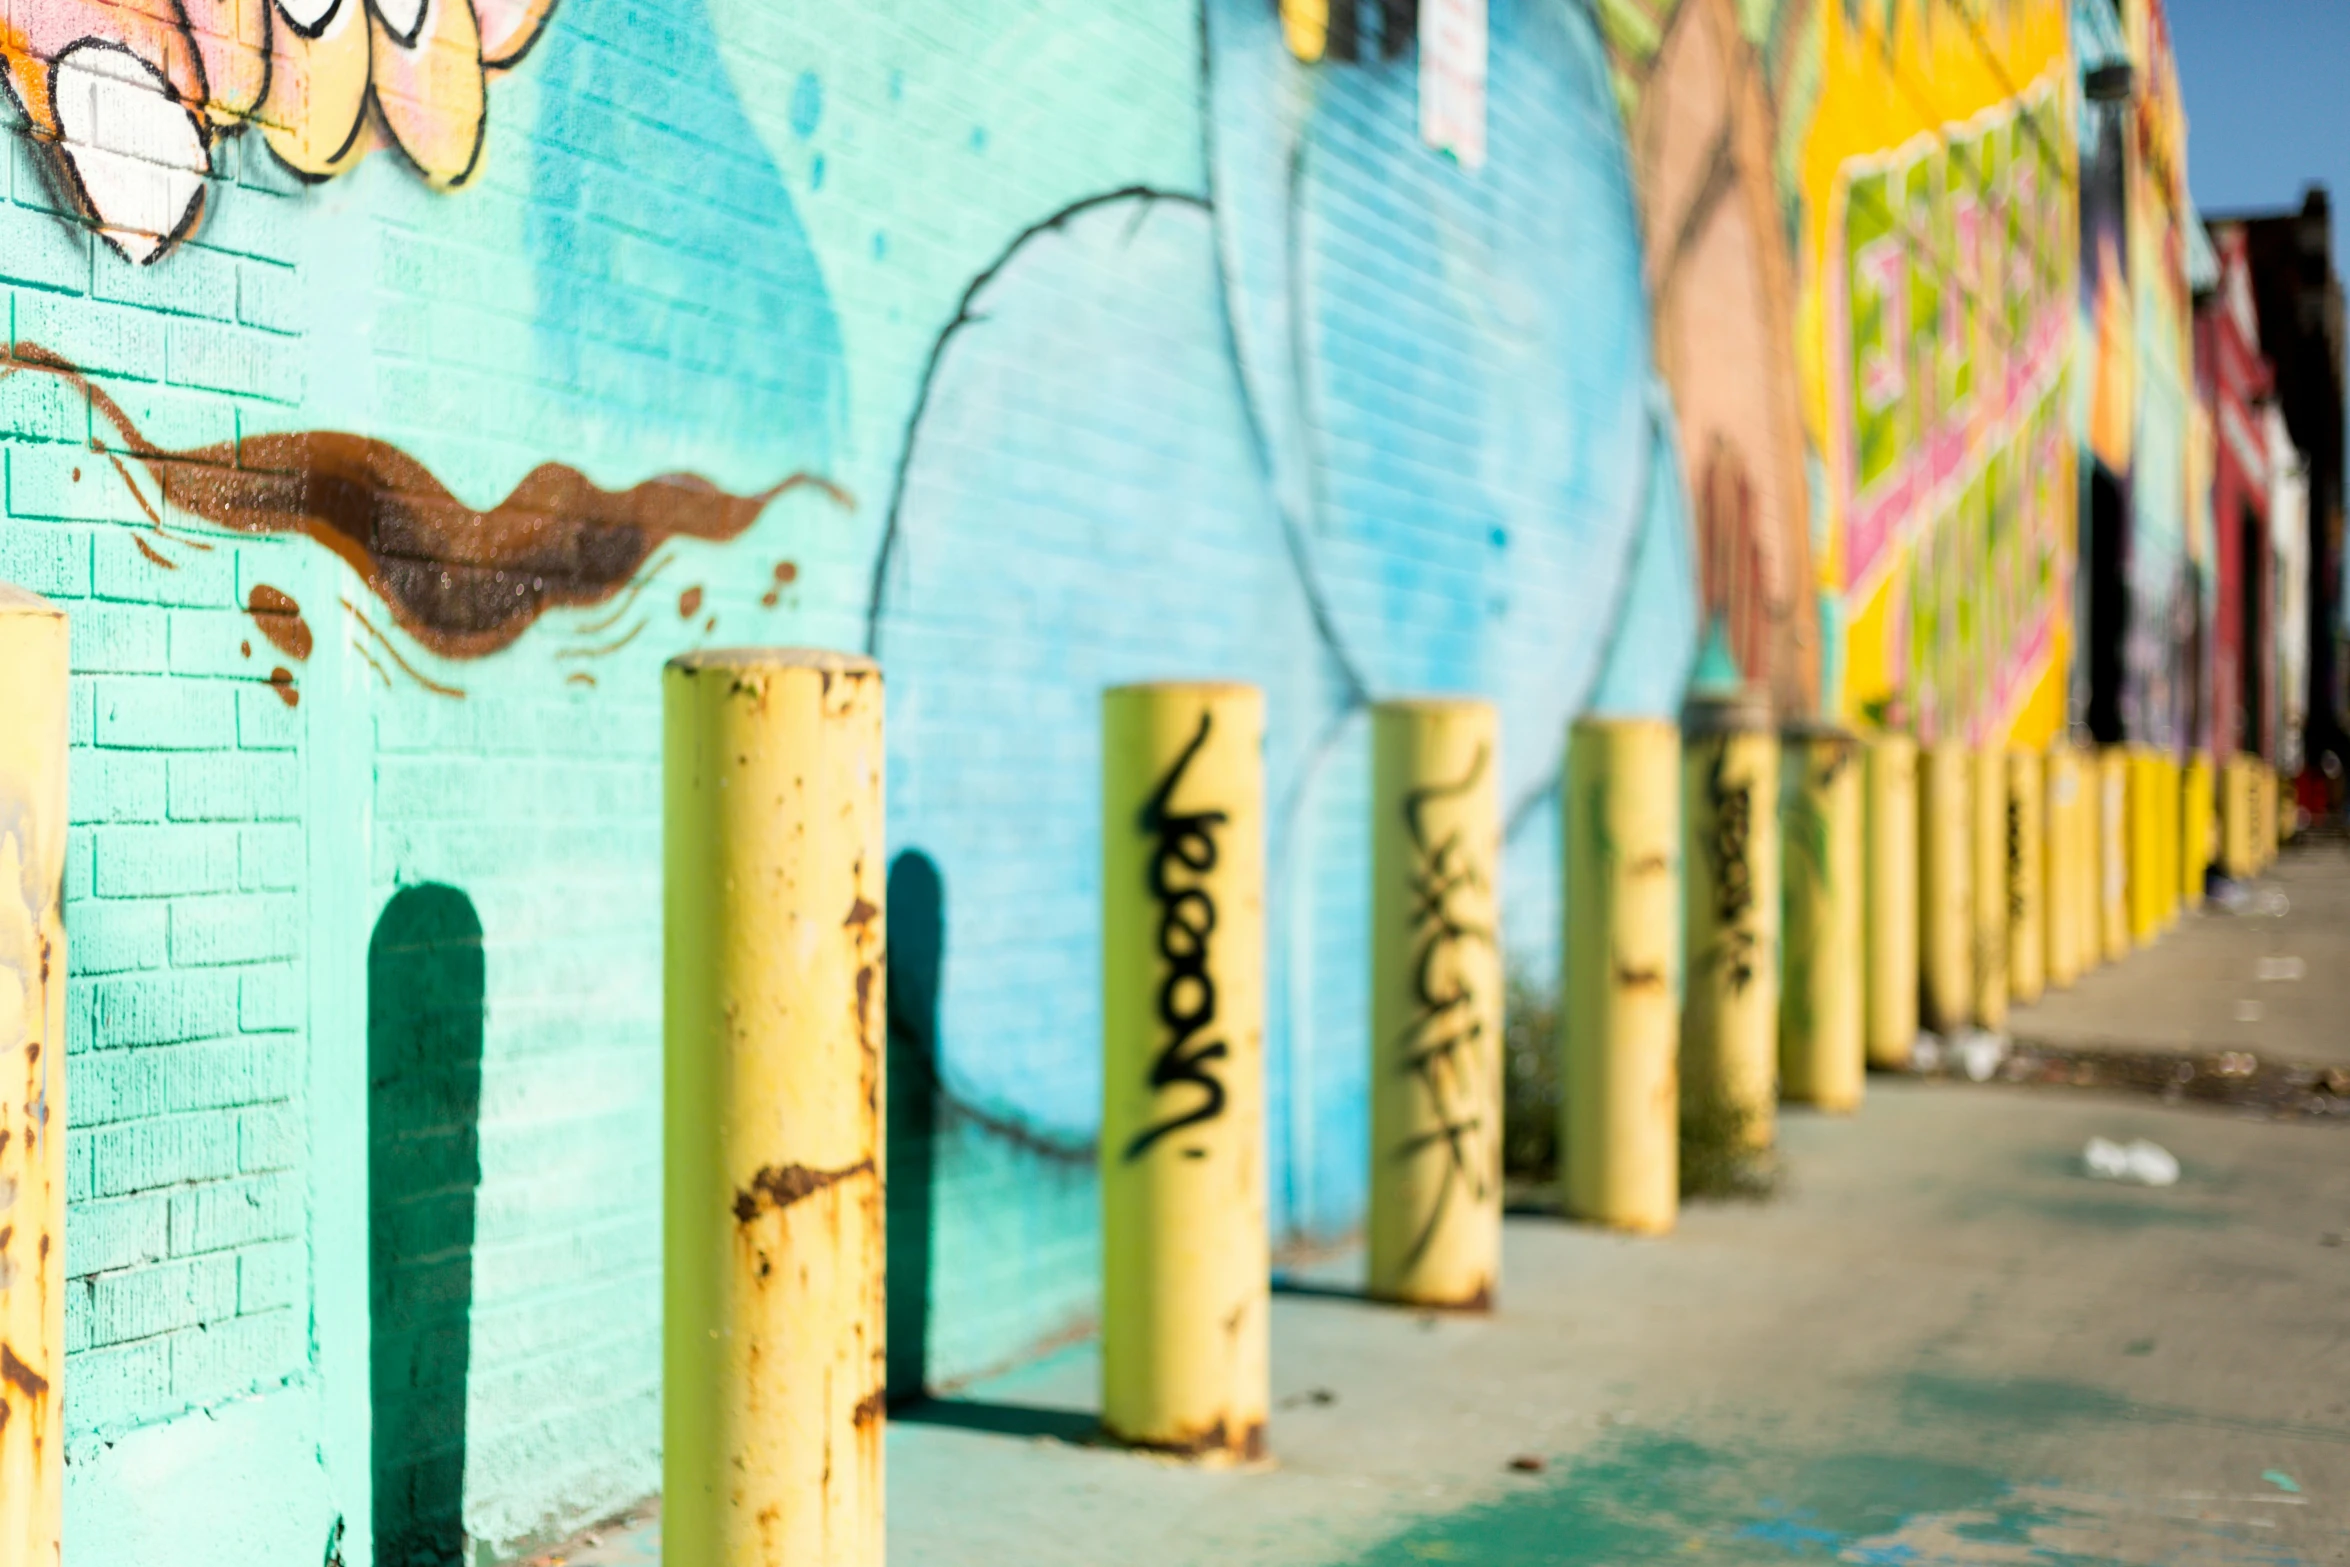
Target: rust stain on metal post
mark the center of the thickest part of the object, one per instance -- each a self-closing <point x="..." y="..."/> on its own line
<point x="33" y="705"/>
<point x="777" y="1189"/>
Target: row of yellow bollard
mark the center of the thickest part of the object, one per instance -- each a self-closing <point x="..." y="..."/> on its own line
<point x="1750" y="915"/>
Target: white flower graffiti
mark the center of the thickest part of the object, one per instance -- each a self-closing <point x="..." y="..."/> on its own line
<point x="131" y="100"/>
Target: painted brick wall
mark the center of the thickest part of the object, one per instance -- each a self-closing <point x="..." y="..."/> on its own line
<point x="1090" y="339"/>
<point x="186" y="1248"/>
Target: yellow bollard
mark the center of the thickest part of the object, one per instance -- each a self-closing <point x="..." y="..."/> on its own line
<point x="2027" y="877"/>
<point x="1946" y="897"/>
<point x="2061" y="810"/>
<point x="1186" y="1268"/>
<point x="2235" y="815"/>
<point x="773" y="1358"/>
<point x="2196" y="851"/>
<point x="1889" y="781"/>
<point x="2174" y="844"/>
<point x="2144" y="846"/>
<point x="33" y="707"/>
<point x="1822" y="1060"/>
<point x="1306" y="26"/>
<point x="1730" y="904"/>
<point x="1436" y="988"/>
<point x="2265" y="778"/>
<point x="1987" y="790"/>
<point x="2137" y="837"/>
<point x="2113" y="862"/>
<point x="2288" y="810"/>
<point x="1619" y="1133"/>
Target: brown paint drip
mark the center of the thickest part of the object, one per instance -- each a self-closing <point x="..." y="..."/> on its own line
<point x="688" y="603"/>
<point x="280" y="620"/>
<point x="282" y="680"/>
<point x="461" y="581"/>
<point x="785" y="574"/>
<point x="155" y="555"/>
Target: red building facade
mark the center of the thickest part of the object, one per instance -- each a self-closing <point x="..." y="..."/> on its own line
<point x="2234" y="381"/>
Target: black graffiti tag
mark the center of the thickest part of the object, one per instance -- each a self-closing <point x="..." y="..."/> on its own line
<point x="1447" y="1024"/>
<point x="1733" y="809"/>
<point x="1184" y="841"/>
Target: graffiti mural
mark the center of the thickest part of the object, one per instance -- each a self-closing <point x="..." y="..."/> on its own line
<point x="1708" y="137"/>
<point x="1942" y="400"/>
<point x="133" y="102"/>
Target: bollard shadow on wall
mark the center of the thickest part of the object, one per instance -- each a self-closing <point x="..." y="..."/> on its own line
<point x="917" y="959"/>
<point x="425" y="986"/>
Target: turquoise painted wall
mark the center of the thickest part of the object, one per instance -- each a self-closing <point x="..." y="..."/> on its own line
<point x="1105" y="342"/>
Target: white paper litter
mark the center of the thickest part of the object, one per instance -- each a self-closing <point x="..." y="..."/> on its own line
<point x="2148" y="1164"/>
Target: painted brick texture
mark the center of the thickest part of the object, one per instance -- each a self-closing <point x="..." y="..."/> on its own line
<point x="1035" y="346"/>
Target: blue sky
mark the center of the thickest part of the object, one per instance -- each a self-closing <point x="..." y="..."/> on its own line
<point x="2268" y="110"/>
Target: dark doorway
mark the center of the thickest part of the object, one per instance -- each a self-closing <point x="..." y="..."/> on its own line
<point x="917" y="960"/>
<point x="425" y="977"/>
<point x="2252" y="632"/>
<point x="2109" y="604"/>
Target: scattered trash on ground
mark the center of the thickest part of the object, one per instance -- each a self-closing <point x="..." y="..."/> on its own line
<point x="2247" y="1011"/>
<point x="2235" y="897"/>
<point x="1979" y="1053"/>
<point x="2149" y="1164"/>
<point x="1528" y="1464"/>
<point x="2281" y="1480"/>
<point x="2280" y="968"/>
<point x="1317" y="1396"/>
<point x="1925" y="1052"/>
<point x="2234" y="1079"/>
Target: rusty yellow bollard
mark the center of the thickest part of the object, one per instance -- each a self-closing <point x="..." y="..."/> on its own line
<point x="1822" y="1060"/>
<point x="2025" y="843"/>
<point x="33" y="707"/>
<point x="1987" y="793"/>
<point x="1306" y="26"/>
<point x="1889" y="783"/>
<point x="1946" y="897"/>
<point x="1730" y="903"/>
<point x="2061" y="810"/>
<point x="2197" y="850"/>
<point x="2235" y="799"/>
<point x="1185" y="1260"/>
<point x="2174" y="842"/>
<point x="1436" y="991"/>
<point x="2264" y="843"/>
<point x="2145" y="845"/>
<point x="2113" y="850"/>
<point x="773" y="982"/>
<point x="1619" y="1122"/>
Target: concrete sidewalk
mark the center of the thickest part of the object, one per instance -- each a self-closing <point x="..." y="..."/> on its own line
<point x="2273" y="978"/>
<point x="1941" y="1343"/>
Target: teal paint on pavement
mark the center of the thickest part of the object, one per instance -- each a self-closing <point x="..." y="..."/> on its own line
<point x="1648" y="1497"/>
